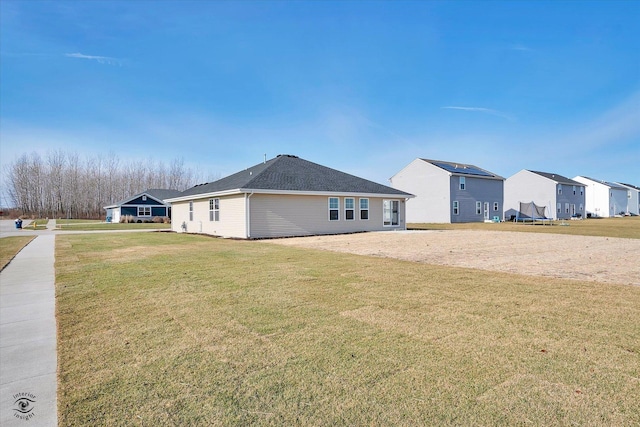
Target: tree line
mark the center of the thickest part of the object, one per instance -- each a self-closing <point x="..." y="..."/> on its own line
<point x="62" y="185"/>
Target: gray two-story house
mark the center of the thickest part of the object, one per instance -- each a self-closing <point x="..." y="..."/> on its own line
<point x="563" y="198"/>
<point x="449" y="192"/>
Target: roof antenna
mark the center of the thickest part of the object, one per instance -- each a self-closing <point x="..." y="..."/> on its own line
<point x="265" y="157"/>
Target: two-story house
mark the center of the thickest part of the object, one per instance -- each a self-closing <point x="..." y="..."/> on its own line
<point x="450" y="192"/>
<point x="563" y="198"/>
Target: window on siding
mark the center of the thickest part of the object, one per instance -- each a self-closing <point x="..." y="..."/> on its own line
<point x="478" y="208"/>
<point x="581" y="207"/>
<point x="559" y="207"/>
<point x="581" y="191"/>
<point x="144" y="198"/>
<point x="214" y="209"/>
<point x="144" y="210"/>
<point x="456" y="207"/>
<point x="566" y="208"/>
<point x="349" y="208"/>
<point x="559" y="189"/>
<point x="574" y="190"/>
<point x="496" y="206"/>
<point x="364" y="208"/>
<point x="334" y="209"/>
<point x="463" y="183"/>
<point x="190" y="211"/>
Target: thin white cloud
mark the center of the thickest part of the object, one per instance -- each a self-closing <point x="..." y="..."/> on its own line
<point x="520" y="47"/>
<point x="482" y="110"/>
<point x="100" y="59"/>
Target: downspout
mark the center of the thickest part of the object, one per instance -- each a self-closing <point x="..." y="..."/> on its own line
<point x="247" y="207"/>
<point x="404" y="208"/>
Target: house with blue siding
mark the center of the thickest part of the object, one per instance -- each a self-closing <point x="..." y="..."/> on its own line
<point x="450" y="192"/>
<point x="143" y="206"/>
<point x="633" y="198"/>
<point x="563" y="198"/>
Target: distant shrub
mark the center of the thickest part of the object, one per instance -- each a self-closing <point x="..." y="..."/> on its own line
<point x="127" y="219"/>
<point x="157" y="220"/>
<point x="166" y="220"/>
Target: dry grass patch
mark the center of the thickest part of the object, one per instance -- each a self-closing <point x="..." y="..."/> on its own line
<point x="205" y="331"/>
<point x="10" y="246"/>
<point x="626" y="227"/>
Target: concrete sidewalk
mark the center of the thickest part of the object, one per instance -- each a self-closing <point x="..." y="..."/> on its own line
<point x="28" y="358"/>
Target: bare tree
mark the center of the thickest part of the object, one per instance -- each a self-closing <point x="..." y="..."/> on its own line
<point x="64" y="185"/>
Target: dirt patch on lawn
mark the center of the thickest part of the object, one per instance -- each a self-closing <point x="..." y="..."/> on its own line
<point x="600" y="259"/>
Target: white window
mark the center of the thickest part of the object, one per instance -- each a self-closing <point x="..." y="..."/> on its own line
<point x="478" y="208"/>
<point x="463" y="183"/>
<point x="190" y="211"/>
<point x="581" y="191"/>
<point x="456" y="207"/>
<point x="214" y="209"/>
<point x="559" y="207"/>
<point x="496" y="206"/>
<point x="349" y="208"/>
<point x="581" y="207"/>
<point x="144" y="198"/>
<point x="559" y="189"/>
<point x="334" y="209"/>
<point x="574" y="190"/>
<point x="144" y="210"/>
<point x="566" y="208"/>
<point x="364" y="208"/>
<point x="390" y="212"/>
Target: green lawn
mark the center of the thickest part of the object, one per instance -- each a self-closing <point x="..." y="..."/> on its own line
<point x="178" y="329"/>
<point x="97" y="225"/>
<point x="10" y="246"/>
<point x="627" y="227"/>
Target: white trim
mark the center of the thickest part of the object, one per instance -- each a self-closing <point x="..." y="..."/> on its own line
<point x="353" y="208"/>
<point x="329" y="208"/>
<point x="360" y="209"/>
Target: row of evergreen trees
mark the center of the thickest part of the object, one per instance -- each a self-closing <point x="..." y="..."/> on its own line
<point x="62" y="185"/>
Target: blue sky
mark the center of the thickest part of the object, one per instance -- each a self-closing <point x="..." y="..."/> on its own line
<point x="363" y="87"/>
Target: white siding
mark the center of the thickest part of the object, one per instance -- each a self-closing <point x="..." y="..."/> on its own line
<point x="596" y="197"/>
<point x="526" y="186"/>
<point x="292" y="215"/>
<point x="232" y="221"/>
<point x="430" y="185"/>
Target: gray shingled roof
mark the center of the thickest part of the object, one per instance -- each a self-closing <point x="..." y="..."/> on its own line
<point x="463" y="169"/>
<point x="558" y="178"/>
<point x="291" y="173"/>
<point x="157" y="193"/>
<point x="629" y="185"/>
<point x="607" y="183"/>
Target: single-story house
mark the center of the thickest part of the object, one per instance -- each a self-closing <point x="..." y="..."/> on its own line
<point x="563" y="198"/>
<point x="142" y="206"/>
<point x="602" y="198"/>
<point x="288" y="196"/>
<point x="450" y="192"/>
<point x="633" y="198"/>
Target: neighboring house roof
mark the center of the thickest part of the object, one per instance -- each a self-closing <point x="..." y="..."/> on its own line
<point x="160" y="194"/>
<point x="607" y="183"/>
<point x="558" y="178"/>
<point x="287" y="173"/>
<point x="635" y="187"/>
<point x="463" y="169"/>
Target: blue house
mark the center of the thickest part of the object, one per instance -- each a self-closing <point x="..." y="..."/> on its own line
<point x="143" y="206"/>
